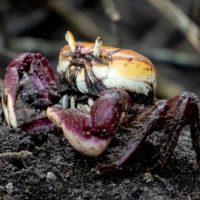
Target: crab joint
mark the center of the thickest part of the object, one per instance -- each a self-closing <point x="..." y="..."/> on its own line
<point x="97" y="47"/>
<point x="71" y="41"/>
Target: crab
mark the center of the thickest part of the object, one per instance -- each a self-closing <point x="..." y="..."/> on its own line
<point x="121" y="84"/>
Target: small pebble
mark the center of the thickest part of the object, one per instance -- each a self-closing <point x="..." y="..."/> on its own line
<point x="51" y="176"/>
<point x="148" y="178"/>
<point x="9" y="187"/>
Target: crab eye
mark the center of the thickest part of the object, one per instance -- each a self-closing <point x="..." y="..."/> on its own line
<point x="71" y="41"/>
<point x="97" y="47"/>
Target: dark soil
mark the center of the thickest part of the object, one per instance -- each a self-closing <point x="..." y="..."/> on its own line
<point x="56" y="171"/>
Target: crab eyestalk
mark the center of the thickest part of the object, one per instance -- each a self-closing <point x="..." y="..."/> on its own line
<point x="91" y="133"/>
<point x="71" y="41"/>
<point x="97" y="47"/>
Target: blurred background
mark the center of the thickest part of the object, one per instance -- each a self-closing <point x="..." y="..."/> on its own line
<point x="165" y="31"/>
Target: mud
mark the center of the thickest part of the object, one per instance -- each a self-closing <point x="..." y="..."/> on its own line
<point x="56" y="171"/>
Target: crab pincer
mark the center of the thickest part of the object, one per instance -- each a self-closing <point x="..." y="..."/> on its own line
<point x="91" y="133"/>
<point x="41" y="75"/>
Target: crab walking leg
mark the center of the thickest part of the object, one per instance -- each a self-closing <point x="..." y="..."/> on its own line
<point x="41" y="75"/>
<point x="168" y="116"/>
<point x="132" y="147"/>
<point x="182" y="110"/>
<point x="83" y="130"/>
<point x="153" y="121"/>
<point x="165" y="152"/>
<point x="195" y="135"/>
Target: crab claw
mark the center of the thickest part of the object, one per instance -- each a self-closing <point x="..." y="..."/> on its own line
<point x="91" y="133"/>
<point x="109" y="110"/>
<point x="75" y="127"/>
<point x="40" y="73"/>
<point x="9" y="90"/>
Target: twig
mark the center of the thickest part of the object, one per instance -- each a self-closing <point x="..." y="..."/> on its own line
<point x="31" y="44"/>
<point x="3" y="50"/>
<point x="178" y="18"/>
<point x="180" y="59"/>
<point x="111" y="10"/>
<point x="159" y="30"/>
<point x="78" y="20"/>
<point x="16" y="155"/>
<point x="7" y="53"/>
<point x="114" y="16"/>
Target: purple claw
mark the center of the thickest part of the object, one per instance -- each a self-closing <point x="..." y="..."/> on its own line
<point x="41" y="75"/>
<point x="76" y="129"/>
<point x="109" y="110"/>
<point x="38" y="125"/>
<point x="91" y="133"/>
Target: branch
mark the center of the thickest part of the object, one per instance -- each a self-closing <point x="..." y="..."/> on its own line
<point x="111" y="10"/>
<point x="180" y="20"/>
<point x="180" y="59"/>
<point x="20" y="44"/>
<point x="16" y="155"/>
<point x="81" y="22"/>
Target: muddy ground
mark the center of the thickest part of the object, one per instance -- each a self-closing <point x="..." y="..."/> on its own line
<point x="56" y="171"/>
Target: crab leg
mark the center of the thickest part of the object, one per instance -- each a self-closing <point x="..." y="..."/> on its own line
<point x="91" y="133"/>
<point x="195" y="135"/>
<point x="41" y="75"/>
<point x="183" y="110"/>
<point x="133" y="145"/>
<point x="173" y="114"/>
